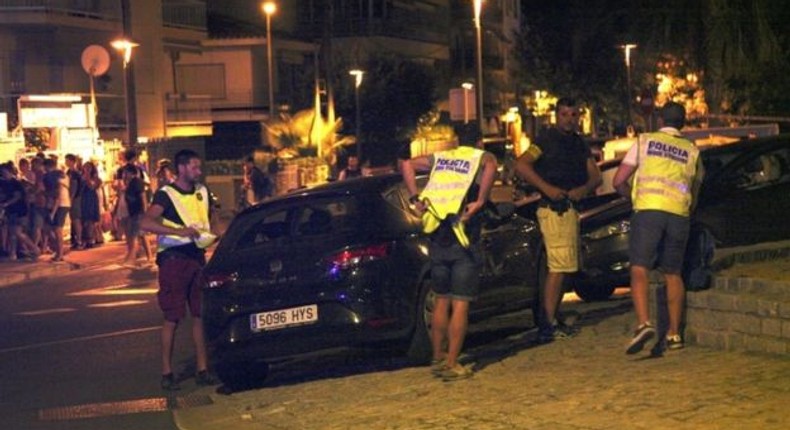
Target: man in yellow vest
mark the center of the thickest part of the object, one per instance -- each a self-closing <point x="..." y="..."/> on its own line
<point x="450" y="205"/>
<point x="561" y="166"/>
<point x="667" y="173"/>
<point x="179" y="215"/>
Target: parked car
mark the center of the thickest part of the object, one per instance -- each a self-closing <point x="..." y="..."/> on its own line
<point x="744" y="199"/>
<point x="343" y="265"/>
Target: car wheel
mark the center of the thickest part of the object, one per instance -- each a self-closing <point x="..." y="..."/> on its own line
<point x="239" y="376"/>
<point x="420" y="350"/>
<point x="594" y="292"/>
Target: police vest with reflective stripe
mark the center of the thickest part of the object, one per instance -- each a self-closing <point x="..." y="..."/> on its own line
<point x="452" y="175"/>
<point x="193" y="209"/>
<point x="665" y="174"/>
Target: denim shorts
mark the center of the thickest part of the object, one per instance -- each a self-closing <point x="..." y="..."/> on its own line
<point x="455" y="270"/>
<point x="658" y="239"/>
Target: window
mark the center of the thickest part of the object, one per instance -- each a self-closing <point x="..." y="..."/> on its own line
<point x="761" y="171"/>
<point x="325" y="218"/>
<point x="202" y="79"/>
<point x="270" y="228"/>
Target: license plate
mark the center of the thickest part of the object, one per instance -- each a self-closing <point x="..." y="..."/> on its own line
<point x="284" y="318"/>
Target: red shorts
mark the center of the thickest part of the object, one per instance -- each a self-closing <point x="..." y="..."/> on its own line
<point x="180" y="280"/>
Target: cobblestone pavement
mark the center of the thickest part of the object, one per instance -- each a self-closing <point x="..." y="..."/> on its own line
<point x="582" y="383"/>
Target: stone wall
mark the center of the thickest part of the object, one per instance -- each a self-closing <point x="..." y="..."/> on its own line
<point x="743" y="314"/>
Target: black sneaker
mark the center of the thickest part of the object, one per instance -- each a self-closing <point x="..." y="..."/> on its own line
<point x="203" y="378"/>
<point x="642" y="334"/>
<point x="545" y="335"/>
<point x="674" y="342"/>
<point x="556" y="332"/>
<point x="562" y="331"/>
<point x="169" y="383"/>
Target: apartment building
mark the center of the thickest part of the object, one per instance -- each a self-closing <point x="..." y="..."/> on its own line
<point x="41" y="43"/>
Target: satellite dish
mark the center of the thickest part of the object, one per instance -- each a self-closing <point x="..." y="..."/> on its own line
<point x="95" y="60"/>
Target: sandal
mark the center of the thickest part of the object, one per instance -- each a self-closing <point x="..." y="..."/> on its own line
<point x="456" y="373"/>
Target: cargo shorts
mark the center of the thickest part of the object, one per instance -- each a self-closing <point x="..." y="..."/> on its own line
<point x="180" y="283"/>
<point x="561" y="238"/>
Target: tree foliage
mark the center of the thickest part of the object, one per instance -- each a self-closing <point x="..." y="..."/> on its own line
<point x="393" y="96"/>
<point x="740" y="48"/>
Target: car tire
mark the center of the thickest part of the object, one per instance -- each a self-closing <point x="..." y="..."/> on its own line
<point x="594" y="292"/>
<point x="240" y="376"/>
<point x="420" y="350"/>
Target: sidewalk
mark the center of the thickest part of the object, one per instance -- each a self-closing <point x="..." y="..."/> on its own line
<point x="583" y="383"/>
<point x="19" y="271"/>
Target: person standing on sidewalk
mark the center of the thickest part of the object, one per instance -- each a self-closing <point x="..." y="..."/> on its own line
<point x="74" y="176"/>
<point x="561" y="166"/>
<point x="134" y="195"/>
<point x="56" y="186"/>
<point x="179" y="215"/>
<point x="457" y="190"/>
<point x="667" y="174"/>
<point x="15" y="207"/>
<point x="352" y="170"/>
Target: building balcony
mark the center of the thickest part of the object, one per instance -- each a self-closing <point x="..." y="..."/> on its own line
<point x="426" y="27"/>
<point x="188" y="108"/>
<point x="467" y="61"/>
<point x="188" y="16"/>
<point x="100" y="14"/>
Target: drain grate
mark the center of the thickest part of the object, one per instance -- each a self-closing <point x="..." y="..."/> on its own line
<point x="94" y="410"/>
<point x="192" y="401"/>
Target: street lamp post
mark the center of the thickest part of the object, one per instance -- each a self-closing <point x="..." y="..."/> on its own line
<point x="627" y="54"/>
<point x="478" y="6"/>
<point x="466" y="86"/>
<point x="269" y="8"/>
<point x="124" y="47"/>
<point x="357" y="74"/>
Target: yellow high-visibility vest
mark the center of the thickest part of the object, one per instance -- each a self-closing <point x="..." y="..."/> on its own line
<point x="193" y="209"/>
<point x="665" y="175"/>
<point x="452" y="175"/>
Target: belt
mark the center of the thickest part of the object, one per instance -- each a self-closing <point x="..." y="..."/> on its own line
<point x="557" y="206"/>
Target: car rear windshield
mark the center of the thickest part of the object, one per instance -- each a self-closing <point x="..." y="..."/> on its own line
<point x="302" y="220"/>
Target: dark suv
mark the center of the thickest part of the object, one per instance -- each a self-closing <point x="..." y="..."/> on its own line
<point x="340" y="266"/>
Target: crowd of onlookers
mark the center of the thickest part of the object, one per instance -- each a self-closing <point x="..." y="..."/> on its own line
<point x="51" y="204"/>
<point x="41" y="195"/>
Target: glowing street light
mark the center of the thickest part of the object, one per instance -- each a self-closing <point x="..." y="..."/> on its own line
<point x="357" y="74"/>
<point x="467" y="86"/>
<point x="627" y="54"/>
<point x="125" y="47"/>
<point x="478" y="7"/>
<point x="269" y="8"/>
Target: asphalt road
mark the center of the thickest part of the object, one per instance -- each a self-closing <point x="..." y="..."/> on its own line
<point x="81" y="351"/>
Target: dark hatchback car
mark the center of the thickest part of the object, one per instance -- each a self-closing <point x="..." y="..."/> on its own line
<point x="744" y="200"/>
<point x="343" y="265"/>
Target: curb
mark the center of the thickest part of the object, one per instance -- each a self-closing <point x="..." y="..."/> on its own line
<point x="35" y="271"/>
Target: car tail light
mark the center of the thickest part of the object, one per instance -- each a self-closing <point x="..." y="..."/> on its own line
<point x="219" y="280"/>
<point x="352" y="257"/>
